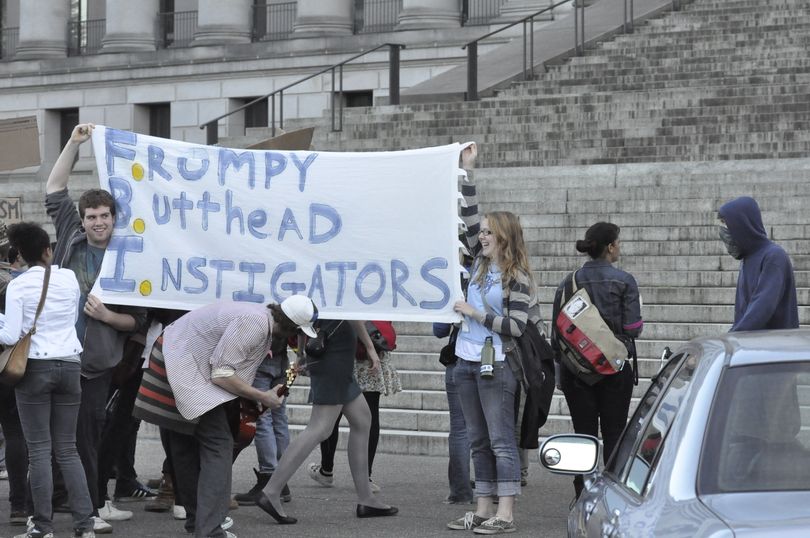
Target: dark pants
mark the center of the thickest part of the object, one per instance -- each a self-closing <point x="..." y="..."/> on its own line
<point x="119" y="439"/>
<point x="202" y="468"/>
<point x="92" y="416"/>
<point x="48" y="402"/>
<point x="19" y="495"/>
<point x="603" y="405"/>
<point x="329" y="446"/>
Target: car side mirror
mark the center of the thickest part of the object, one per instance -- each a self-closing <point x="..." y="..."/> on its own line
<point x="570" y="454"/>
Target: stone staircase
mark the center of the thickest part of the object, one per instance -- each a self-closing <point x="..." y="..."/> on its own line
<point x="652" y="131"/>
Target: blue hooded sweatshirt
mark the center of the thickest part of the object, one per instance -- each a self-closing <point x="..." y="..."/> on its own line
<point x="766" y="289"/>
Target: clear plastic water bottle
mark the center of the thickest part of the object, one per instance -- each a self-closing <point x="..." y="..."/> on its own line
<point x="488" y="359"/>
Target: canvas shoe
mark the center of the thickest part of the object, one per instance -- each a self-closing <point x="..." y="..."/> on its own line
<point x="100" y="526"/>
<point x="314" y="470"/>
<point x="109" y="512"/>
<point x="84" y="534"/>
<point x="495" y="525"/>
<point x="374" y="487"/>
<point x="33" y="532"/>
<point x="138" y="493"/>
<point x="467" y="522"/>
<point x="227" y="523"/>
<point x="179" y="512"/>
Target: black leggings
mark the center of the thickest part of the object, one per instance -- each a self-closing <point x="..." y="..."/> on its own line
<point x="329" y="446"/>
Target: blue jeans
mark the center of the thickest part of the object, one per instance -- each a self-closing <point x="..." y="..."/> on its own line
<point x="272" y="431"/>
<point x="458" y="468"/>
<point x="489" y="411"/>
<point x="48" y="402"/>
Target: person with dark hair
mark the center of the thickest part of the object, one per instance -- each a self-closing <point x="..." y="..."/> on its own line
<point x="766" y="287"/>
<point x="16" y="263"/>
<point x="211" y="356"/>
<point x="49" y="392"/>
<point x="81" y="240"/>
<point x="501" y="301"/>
<point x="333" y="390"/>
<point x="602" y="404"/>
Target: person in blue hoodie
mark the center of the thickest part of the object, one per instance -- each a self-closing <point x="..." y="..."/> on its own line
<point x="766" y="289"/>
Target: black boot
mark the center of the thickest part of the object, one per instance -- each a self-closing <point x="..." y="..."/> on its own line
<point x="249" y="498"/>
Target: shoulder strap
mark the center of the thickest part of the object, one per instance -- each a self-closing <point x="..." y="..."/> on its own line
<point x="41" y="304"/>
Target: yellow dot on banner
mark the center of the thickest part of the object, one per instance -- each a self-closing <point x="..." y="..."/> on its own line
<point x="146" y="288"/>
<point x="139" y="226"/>
<point x="137" y="172"/>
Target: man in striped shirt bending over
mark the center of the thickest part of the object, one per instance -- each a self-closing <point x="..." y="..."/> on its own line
<point x="211" y="356"/>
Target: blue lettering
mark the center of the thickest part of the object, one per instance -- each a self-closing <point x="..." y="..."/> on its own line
<point x="221" y="265"/>
<point x="228" y="158"/>
<point x="193" y="266"/>
<point x="167" y="272"/>
<point x="358" y="284"/>
<point x="302" y="168"/>
<point x="256" y="219"/>
<point x="121" y="245"/>
<point x="341" y="268"/>
<point x="182" y="204"/>
<point x="207" y="206"/>
<point x="194" y="175"/>
<point x="232" y="212"/>
<point x="274" y="164"/>
<point x="247" y="295"/>
<point x="330" y="214"/>
<point x="122" y="193"/>
<point x="167" y="210"/>
<point x="427" y="267"/>
<point x="113" y="137"/>
<point x="399" y="274"/>
<point x="317" y="285"/>
<point x="293" y="287"/>
<point x="288" y="223"/>
<point x="155" y="159"/>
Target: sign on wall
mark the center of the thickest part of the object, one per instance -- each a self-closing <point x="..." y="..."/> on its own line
<point x="365" y="235"/>
<point x="10" y="210"/>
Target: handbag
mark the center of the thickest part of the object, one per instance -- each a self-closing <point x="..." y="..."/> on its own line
<point x="316" y="347"/>
<point x="14" y="359"/>
<point x="447" y="355"/>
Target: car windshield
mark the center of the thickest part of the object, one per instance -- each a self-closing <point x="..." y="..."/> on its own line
<point x="758" y="438"/>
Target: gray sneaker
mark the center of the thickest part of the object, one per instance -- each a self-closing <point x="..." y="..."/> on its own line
<point x="469" y="521"/>
<point x="495" y="525"/>
<point x="314" y="471"/>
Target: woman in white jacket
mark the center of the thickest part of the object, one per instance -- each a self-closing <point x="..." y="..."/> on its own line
<point x="49" y="393"/>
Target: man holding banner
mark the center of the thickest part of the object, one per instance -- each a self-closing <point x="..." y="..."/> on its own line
<point x="82" y="238"/>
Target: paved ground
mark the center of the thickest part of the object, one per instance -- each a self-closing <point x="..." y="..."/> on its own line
<point x="417" y="485"/>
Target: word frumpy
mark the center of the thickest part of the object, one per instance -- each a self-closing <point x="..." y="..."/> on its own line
<point x="365" y="235"/>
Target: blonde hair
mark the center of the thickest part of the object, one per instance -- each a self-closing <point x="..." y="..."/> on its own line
<point x="513" y="258"/>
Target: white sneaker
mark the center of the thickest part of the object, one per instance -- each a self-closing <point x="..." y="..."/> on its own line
<point x="314" y="470"/>
<point x="28" y="534"/>
<point x="100" y="526"/>
<point x="229" y="534"/>
<point x="3" y="474"/>
<point x="374" y="487"/>
<point x="178" y="512"/>
<point x="87" y="534"/>
<point x="227" y="523"/>
<point x="109" y="512"/>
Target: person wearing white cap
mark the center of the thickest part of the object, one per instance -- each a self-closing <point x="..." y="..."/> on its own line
<point x="211" y="356"/>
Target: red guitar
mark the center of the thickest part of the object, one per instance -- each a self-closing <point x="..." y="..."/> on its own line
<point x="249" y="413"/>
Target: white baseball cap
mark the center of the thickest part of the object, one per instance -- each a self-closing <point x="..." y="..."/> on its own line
<point x="301" y="310"/>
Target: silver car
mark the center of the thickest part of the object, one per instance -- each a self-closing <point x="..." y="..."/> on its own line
<point x="719" y="446"/>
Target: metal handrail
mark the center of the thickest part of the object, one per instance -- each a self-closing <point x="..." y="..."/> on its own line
<point x="212" y="125"/>
<point x="472" y="49"/>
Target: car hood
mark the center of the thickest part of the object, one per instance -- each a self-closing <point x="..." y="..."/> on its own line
<point x="761" y="514"/>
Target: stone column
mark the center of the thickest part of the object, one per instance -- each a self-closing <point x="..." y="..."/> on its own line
<point x="418" y="14"/>
<point x="223" y="21"/>
<point x="317" y="17"/>
<point x="130" y="26"/>
<point x="43" y="29"/>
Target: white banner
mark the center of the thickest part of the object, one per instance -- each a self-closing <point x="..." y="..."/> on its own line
<point x="365" y="235"/>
